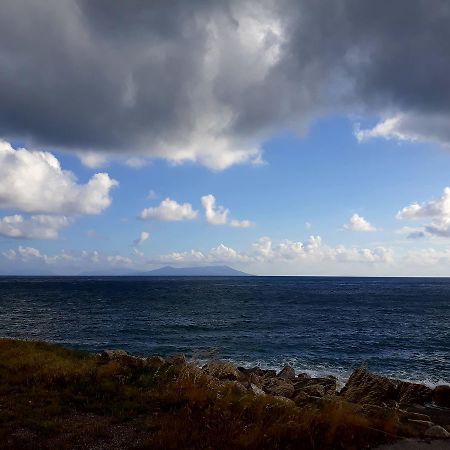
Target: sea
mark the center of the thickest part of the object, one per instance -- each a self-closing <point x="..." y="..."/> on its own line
<point x="398" y="327"/>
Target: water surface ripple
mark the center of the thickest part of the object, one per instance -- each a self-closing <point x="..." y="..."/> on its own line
<point x="399" y="327"/>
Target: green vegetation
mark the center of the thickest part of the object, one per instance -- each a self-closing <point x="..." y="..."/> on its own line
<point x="52" y="397"/>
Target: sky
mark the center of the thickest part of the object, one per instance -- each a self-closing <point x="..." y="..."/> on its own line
<point x="279" y="138"/>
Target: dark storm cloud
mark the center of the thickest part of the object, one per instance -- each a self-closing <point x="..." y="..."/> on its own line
<point x="207" y="80"/>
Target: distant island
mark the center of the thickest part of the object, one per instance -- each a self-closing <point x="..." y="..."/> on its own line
<point x="170" y="271"/>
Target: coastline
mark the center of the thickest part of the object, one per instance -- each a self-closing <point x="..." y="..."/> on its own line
<point x="55" y="397"/>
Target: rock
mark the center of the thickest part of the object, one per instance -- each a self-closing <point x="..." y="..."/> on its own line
<point x="177" y="360"/>
<point x="437" y="414"/>
<point x="367" y="388"/>
<point x="256" y="390"/>
<point x="287" y="373"/>
<point x="255" y="379"/>
<point x="303" y="376"/>
<point x="420" y="425"/>
<point x="114" y="354"/>
<point x="278" y="386"/>
<point x="236" y="386"/>
<point x="265" y="373"/>
<point x="244" y="370"/>
<point x="258" y="371"/>
<point x="223" y="371"/>
<point x="154" y="362"/>
<point x="413" y="393"/>
<point x="328" y="385"/>
<point x="286" y="401"/>
<point x="441" y="396"/>
<point x="378" y="412"/>
<point x="301" y="398"/>
<point x="437" y="431"/>
<point x="410" y="415"/>
<point x="315" y="390"/>
<point x="364" y="387"/>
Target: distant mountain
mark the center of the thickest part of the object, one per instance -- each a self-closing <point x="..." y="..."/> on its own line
<point x="169" y="271"/>
<point x="205" y="271"/>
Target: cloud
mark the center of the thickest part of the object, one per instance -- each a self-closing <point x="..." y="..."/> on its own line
<point x="33" y="181"/>
<point x="214" y="215"/>
<point x="22" y="253"/>
<point x="93" y="160"/>
<point x="136" y="163"/>
<point x="144" y="236"/>
<point x="210" y="81"/>
<point x="169" y="210"/>
<point x="314" y="250"/>
<point x="266" y="251"/>
<point x="218" y="215"/>
<point x="36" y="227"/>
<point x="219" y="254"/>
<point x="358" y="223"/>
<point x="66" y="261"/>
<point x="411" y="127"/>
<point x="241" y="223"/>
<point x="437" y="210"/>
<point x="428" y="257"/>
<point x="412" y="232"/>
<point x="264" y="256"/>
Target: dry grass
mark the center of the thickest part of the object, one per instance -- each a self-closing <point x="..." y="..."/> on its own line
<point x="51" y="397"/>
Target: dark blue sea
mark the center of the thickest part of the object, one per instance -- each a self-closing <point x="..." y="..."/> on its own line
<point x="395" y="326"/>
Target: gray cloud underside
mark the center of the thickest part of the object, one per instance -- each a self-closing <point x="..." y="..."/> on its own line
<point x="209" y="80"/>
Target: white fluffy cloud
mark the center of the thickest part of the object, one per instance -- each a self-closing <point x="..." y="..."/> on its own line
<point x="36" y="227"/>
<point x="219" y="254"/>
<point x="437" y="210"/>
<point x="358" y="223"/>
<point x="218" y="215"/>
<point x="266" y="256"/>
<point x="73" y="262"/>
<point x="266" y="251"/>
<point x="215" y="215"/>
<point x="169" y="210"/>
<point x="144" y="236"/>
<point x="33" y="181"/>
<point x="93" y="160"/>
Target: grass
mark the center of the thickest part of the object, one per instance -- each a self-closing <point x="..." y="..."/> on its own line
<point x="52" y="397"/>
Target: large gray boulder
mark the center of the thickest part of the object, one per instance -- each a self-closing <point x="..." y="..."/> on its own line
<point x="413" y="393"/>
<point x="223" y="370"/>
<point x="278" y="386"/>
<point x="317" y="387"/>
<point x="364" y="387"/>
<point x="287" y="373"/>
<point x="438" y="432"/>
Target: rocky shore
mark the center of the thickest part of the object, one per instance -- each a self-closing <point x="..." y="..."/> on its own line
<point x="416" y="409"/>
<point x="52" y="397"/>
